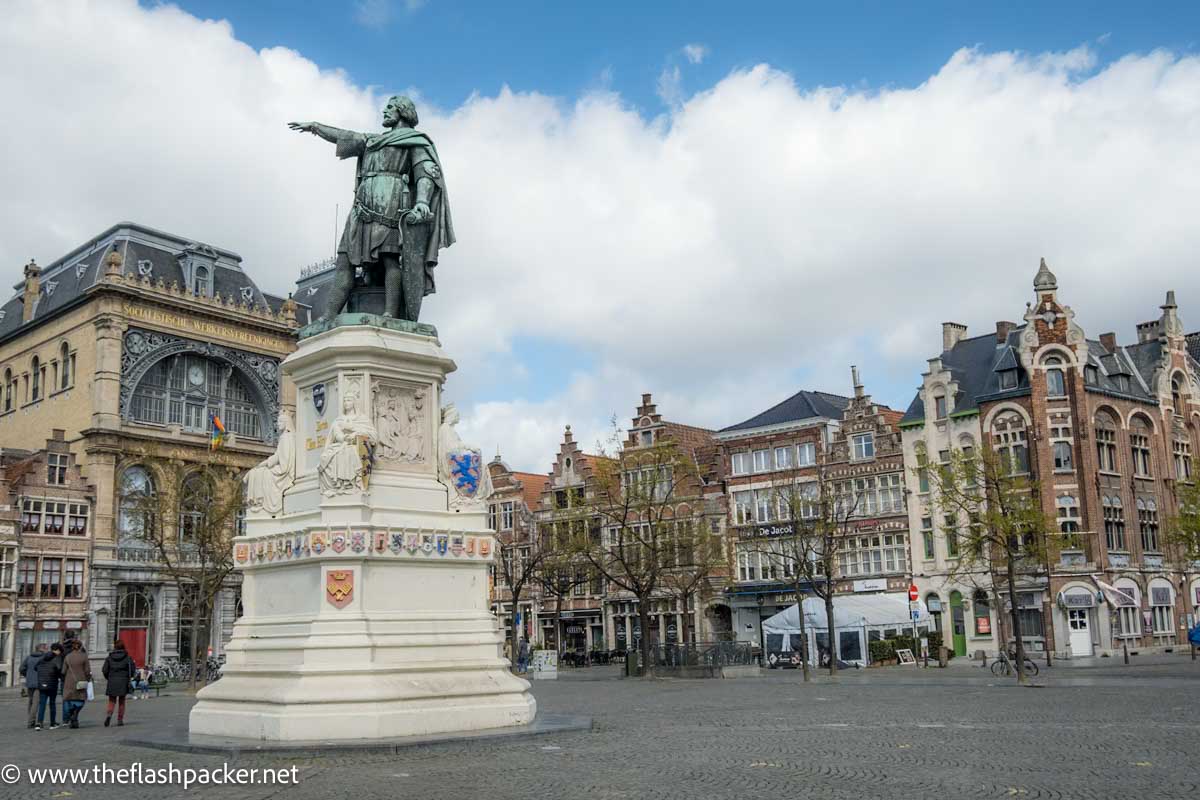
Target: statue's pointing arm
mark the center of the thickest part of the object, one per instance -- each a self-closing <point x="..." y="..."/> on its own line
<point x="348" y="143"/>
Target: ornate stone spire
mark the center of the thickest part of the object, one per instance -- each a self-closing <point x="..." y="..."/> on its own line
<point x="1169" y="324"/>
<point x="1044" y="281"/>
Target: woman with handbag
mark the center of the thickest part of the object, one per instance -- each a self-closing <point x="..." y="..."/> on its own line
<point x="77" y="675"/>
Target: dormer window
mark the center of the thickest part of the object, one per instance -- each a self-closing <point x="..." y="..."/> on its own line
<point x="1122" y="382"/>
<point x="939" y="406"/>
<point x="1008" y="379"/>
<point x="1091" y="375"/>
<point x="202" y="285"/>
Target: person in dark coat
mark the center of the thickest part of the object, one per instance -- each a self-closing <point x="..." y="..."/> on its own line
<point x="77" y="674"/>
<point x="29" y="672"/>
<point x="118" y="672"/>
<point x="49" y="672"/>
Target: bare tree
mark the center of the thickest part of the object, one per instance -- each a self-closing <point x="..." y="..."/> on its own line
<point x="520" y="554"/>
<point x="563" y="571"/>
<point x="692" y="560"/>
<point x="189" y="521"/>
<point x="996" y="525"/>
<point x="634" y="497"/>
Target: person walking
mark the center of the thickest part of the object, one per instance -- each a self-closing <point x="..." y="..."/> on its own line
<point x="29" y="672"/>
<point x="49" y="672"/>
<point x="523" y="655"/>
<point x="77" y="674"/>
<point x="118" y="671"/>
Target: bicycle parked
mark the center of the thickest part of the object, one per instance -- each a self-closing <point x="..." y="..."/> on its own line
<point x="1005" y="665"/>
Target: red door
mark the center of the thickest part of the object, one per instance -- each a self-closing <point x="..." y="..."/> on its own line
<point x="135" y="644"/>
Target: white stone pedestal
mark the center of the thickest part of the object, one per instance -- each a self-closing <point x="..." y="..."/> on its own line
<point x="366" y="613"/>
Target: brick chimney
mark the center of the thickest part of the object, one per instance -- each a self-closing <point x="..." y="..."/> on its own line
<point x="1003" y="329"/>
<point x="1109" y="342"/>
<point x="33" y="285"/>
<point x="952" y="334"/>
<point x="1147" y="331"/>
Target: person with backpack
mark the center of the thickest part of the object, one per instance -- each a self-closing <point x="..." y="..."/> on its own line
<point x="49" y="673"/>
<point x="29" y="673"/>
<point x="118" y="671"/>
<point x="77" y="674"/>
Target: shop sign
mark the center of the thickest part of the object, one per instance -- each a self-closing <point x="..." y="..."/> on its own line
<point x="1147" y="622"/>
<point x="934" y="604"/>
<point x="1078" y="600"/>
<point x="50" y="625"/>
<point x="74" y="624"/>
<point x="983" y="626"/>
<point x="765" y="531"/>
<point x="871" y="585"/>
<point x="671" y="629"/>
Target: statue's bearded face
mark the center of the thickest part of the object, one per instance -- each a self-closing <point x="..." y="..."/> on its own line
<point x="391" y="116"/>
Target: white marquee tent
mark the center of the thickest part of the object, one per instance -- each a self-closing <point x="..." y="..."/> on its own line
<point x="857" y="619"/>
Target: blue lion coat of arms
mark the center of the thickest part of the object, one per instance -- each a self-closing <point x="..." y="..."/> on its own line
<point x="465" y="469"/>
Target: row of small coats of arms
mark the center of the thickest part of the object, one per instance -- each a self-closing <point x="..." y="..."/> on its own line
<point x="285" y="547"/>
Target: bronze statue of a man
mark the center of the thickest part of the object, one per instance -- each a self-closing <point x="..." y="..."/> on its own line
<point x="401" y="216"/>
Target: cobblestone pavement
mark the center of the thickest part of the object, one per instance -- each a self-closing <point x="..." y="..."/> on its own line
<point x="1103" y="732"/>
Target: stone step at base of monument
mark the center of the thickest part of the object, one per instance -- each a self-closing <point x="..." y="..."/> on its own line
<point x="328" y="715"/>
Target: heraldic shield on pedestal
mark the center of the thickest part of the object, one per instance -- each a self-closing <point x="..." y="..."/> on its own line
<point x="465" y="468"/>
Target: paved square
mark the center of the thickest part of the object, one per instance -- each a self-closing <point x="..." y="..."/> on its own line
<point x="1102" y="732"/>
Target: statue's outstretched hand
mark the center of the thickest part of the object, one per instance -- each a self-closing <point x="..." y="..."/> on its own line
<point x="303" y="127"/>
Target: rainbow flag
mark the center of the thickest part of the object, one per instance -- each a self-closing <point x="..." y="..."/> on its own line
<point x="218" y="431"/>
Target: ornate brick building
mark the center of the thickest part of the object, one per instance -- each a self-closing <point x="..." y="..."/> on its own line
<point x="1107" y="432"/>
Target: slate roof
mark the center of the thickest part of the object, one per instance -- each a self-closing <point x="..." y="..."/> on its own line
<point x="312" y="294"/>
<point x="803" y="405"/>
<point x="976" y="364"/>
<point x="143" y="249"/>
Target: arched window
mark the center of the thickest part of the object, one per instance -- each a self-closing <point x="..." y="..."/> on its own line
<point x="202" y="286"/>
<point x="1068" y="520"/>
<point x="982" y="610"/>
<point x="9" y="388"/>
<point x="187" y="389"/>
<point x="195" y="498"/>
<point x="1106" y="442"/>
<point x="36" y="380"/>
<point x="136" y="514"/>
<point x="1148" y="524"/>
<point x="1056" y="382"/>
<point x="1181" y="452"/>
<point x="1011" y="442"/>
<point x="1139" y="446"/>
<point x="1176" y="396"/>
<point x="64" y="370"/>
<point x="1114" y="522"/>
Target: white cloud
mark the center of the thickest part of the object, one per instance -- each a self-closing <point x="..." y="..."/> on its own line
<point x="695" y="53"/>
<point x="670" y="86"/>
<point x="757" y="235"/>
<point x="380" y="13"/>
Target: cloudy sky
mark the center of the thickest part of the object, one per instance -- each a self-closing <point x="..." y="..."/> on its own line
<point x="717" y="208"/>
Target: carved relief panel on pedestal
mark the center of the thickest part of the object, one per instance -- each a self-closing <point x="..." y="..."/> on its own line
<point x="401" y="414"/>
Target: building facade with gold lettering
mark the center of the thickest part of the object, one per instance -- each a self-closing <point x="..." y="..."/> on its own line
<point x="130" y="344"/>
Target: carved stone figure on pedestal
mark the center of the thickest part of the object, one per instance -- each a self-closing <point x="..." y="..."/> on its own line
<point x="343" y="469"/>
<point x="400" y="217"/>
<point x="266" y="483"/>
<point x="400" y="422"/>
<point x="460" y="467"/>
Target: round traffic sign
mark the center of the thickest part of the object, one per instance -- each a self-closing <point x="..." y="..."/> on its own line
<point x="912" y="593"/>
